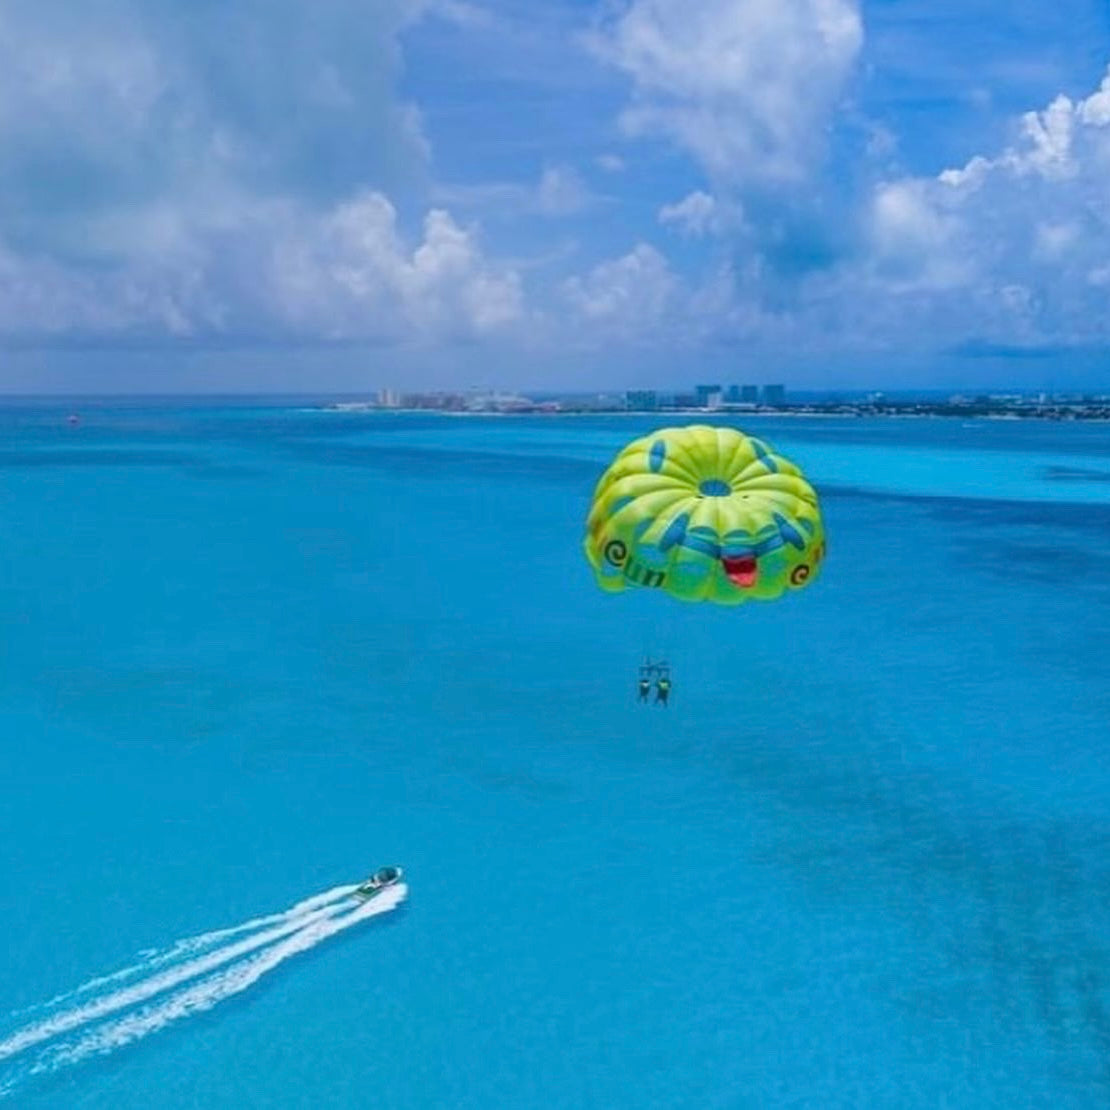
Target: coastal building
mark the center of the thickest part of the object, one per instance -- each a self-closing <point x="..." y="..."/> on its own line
<point x="707" y="396"/>
<point x="774" y="394"/>
<point x="495" y="401"/>
<point x="641" y="400"/>
<point x="749" y="394"/>
<point x="604" y="402"/>
<point x="389" y="399"/>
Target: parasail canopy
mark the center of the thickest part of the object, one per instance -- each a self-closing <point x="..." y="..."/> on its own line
<point x="704" y="514"/>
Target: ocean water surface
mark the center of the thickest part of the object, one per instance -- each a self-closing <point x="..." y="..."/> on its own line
<point x="253" y="652"/>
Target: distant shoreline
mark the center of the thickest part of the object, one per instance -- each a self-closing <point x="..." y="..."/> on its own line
<point x="1057" y="413"/>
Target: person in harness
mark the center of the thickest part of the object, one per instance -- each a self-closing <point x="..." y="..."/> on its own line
<point x="662" y="689"/>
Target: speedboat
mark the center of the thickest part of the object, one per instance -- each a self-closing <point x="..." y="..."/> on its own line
<point x="382" y="878"/>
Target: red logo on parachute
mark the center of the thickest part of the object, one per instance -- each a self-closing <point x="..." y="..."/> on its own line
<point x="743" y="570"/>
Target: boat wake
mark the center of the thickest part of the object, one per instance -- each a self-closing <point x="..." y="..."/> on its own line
<point x="190" y="976"/>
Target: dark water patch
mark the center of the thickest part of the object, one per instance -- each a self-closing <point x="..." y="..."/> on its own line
<point x="1051" y="564"/>
<point x="221" y="472"/>
<point x="880" y="433"/>
<point x="148" y="704"/>
<point x="501" y="777"/>
<point x="109" y="457"/>
<point x="276" y="428"/>
<point x="1037" y="437"/>
<point x="989" y="512"/>
<point x="253" y="419"/>
<point x="415" y="462"/>
<point x="387" y="424"/>
<point x="1044" y="542"/>
<point x="1075" y="474"/>
<point x="1013" y="909"/>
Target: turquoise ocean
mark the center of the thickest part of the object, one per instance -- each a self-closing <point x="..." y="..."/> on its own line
<point x="253" y="651"/>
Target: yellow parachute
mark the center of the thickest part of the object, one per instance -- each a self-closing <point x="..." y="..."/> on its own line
<point x="704" y="514"/>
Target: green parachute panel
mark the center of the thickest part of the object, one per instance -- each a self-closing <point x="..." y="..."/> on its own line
<point x="704" y="514"/>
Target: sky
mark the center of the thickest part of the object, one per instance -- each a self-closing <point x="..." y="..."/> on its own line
<point x="256" y="195"/>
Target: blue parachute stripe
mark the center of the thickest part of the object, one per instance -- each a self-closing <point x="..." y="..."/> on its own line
<point x="771" y="543"/>
<point x="675" y="532"/>
<point x="764" y="456"/>
<point x="789" y="532"/>
<point x="703" y="544"/>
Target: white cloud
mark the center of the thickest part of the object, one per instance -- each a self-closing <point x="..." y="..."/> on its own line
<point x="135" y="105"/>
<point x="881" y="141"/>
<point x="461" y="13"/>
<point x="911" y="239"/>
<point x="1054" y="240"/>
<point x="1064" y="140"/>
<point x="1011" y="250"/>
<point x="560" y="191"/>
<point x="1099" y="276"/>
<point x="695" y="214"/>
<point x="209" y="175"/>
<point x="237" y="265"/>
<point x="746" y="86"/>
<point x="1007" y="246"/>
<point x="40" y="298"/>
<point x="1095" y="110"/>
<point x="139" y="194"/>
<point x="630" y="295"/>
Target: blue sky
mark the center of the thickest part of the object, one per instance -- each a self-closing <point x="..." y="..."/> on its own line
<point x="251" y="195"/>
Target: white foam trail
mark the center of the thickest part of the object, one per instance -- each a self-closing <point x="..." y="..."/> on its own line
<point x="153" y="958"/>
<point x="156" y="984"/>
<point x="300" y="909"/>
<point x="216" y="988"/>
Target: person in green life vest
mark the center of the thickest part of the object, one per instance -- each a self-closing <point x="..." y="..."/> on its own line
<point x="662" y="689"/>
